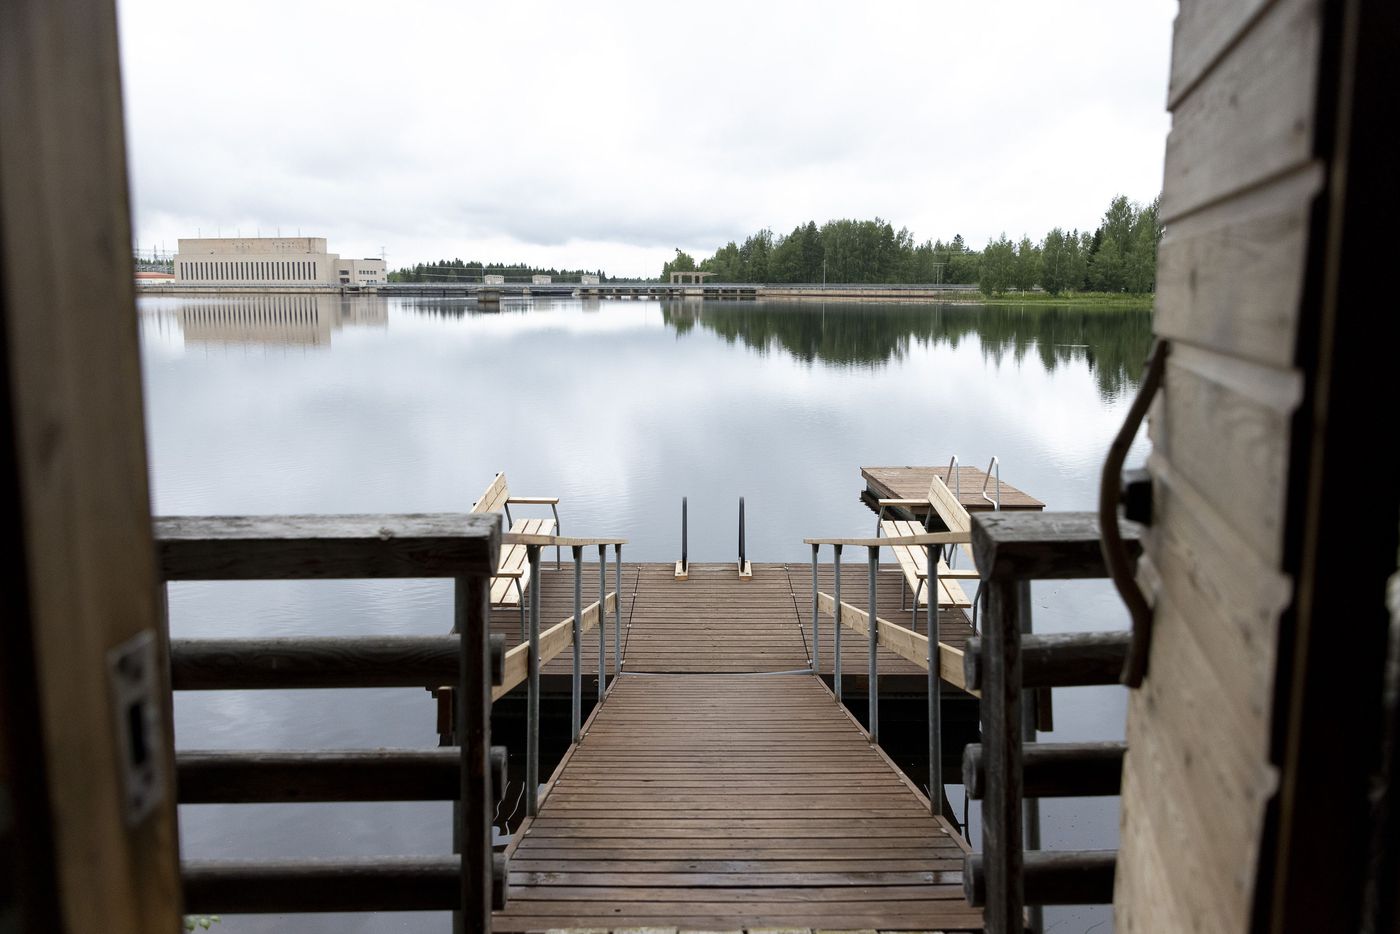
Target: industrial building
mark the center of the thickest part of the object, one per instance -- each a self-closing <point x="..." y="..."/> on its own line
<point x="271" y="261"/>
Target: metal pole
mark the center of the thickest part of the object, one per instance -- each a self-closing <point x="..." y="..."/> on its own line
<point x="741" y="533"/>
<point x="935" y="691"/>
<point x="617" y="612"/>
<point x="836" y="628"/>
<point x="1030" y="717"/>
<point x="532" y="702"/>
<point x="816" y="617"/>
<point x="577" y="694"/>
<point x="872" y="691"/>
<point x="685" y="538"/>
<point x="602" y="620"/>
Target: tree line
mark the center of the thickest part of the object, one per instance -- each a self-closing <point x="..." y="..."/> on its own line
<point x="455" y="270"/>
<point x="1119" y="256"/>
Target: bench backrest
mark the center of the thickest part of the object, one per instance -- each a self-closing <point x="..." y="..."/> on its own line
<point x="494" y="499"/>
<point x="948" y="507"/>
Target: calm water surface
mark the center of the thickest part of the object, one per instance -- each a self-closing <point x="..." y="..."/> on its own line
<point x="317" y="404"/>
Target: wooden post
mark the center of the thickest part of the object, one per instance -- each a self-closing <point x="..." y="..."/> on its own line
<point x="473" y="608"/>
<point x="1001" y="741"/>
<point x="79" y="580"/>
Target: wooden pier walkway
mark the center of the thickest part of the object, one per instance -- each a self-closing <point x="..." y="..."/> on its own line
<point x="716" y="623"/>
<point x="719" y="786"/>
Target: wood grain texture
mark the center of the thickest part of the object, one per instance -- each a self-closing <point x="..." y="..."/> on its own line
<point x="1057" y="659"/>
<point x="692" y="802"/>
<point x="1043" y="546"/>
<point x="1251" y="118"/>
<point x="1231" y="277"/>
<point x="76" y="470"/>
<point x="313" y="662"/>
<point x="1223" y="427"/>
<point x="326" y="547"/>
<point x="1205" y="30"/>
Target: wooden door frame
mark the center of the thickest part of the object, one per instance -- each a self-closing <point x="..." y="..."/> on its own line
<point x="1343" y="497"/>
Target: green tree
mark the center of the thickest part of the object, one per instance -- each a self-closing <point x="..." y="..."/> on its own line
<point x="1054" y="262"/>
<point x="683" y="262"/>
<point x="1027" y="270"/>
<point x="998" y="266"/>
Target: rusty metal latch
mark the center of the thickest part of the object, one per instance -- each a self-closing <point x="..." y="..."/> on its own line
<point x="1135" y="493"/>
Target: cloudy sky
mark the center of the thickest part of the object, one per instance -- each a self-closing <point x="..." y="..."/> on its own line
<point x="601" y="134"/>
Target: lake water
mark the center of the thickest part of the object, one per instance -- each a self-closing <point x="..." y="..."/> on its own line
<point x="318" y="404"/>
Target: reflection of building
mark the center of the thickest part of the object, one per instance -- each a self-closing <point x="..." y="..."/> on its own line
<point x="251" y="261"/>
<point x="305" y="320"/>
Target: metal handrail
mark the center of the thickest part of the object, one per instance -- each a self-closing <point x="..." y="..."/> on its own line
<point x="935" y="543"/>
<point x="533" y="544"/>
<point x="994" y="465"/>
<point x="742" y="562"/>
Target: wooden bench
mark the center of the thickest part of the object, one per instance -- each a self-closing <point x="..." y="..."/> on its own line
<point x="913" y="561"/>
<point x="513" y="571"/>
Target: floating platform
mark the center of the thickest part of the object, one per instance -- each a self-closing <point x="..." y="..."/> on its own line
<point x="971" y="482"/>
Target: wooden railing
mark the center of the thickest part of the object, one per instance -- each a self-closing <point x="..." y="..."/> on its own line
<point x="1008" y="769"/>
<point x="460" y="547"/>
<point x="321" y="547"/>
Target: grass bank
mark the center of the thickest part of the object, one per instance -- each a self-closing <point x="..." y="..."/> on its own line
<point x="1078" y="299"/>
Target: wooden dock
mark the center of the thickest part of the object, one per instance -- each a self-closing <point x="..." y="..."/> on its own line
<point x="715" y="623"/>
<point x="913" y="483"/>
<point x="720" y="786"/>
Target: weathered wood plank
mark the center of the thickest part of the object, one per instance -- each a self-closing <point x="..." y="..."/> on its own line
<point x="907" y="644"/>
<point x="81" y="578"/>
<point x="1055" y="770"/>
<point x="1065" y="877"/>
<point x="326" y="547"/>
<point x="1267" y="83"/>
<point x="1202" y="298"/>
<point x="317" y="662"/>
<point x="1057" y="659"/>
<point x="1223" y="427"/>
<point x="1043" y="546"/>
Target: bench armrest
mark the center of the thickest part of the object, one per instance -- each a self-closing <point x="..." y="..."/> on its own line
<point x="516" y="573"/>
<point x="534" y="500"/>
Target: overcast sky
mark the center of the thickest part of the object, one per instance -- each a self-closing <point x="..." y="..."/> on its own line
<point x="600" y="134"/>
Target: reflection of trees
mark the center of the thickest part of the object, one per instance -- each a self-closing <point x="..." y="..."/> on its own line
<point x="1113" y="343"/>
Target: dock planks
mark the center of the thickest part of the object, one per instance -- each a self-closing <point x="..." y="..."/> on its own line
<point x="715" y="789"/>
<point x="913" y="483"/>
<point x="732" y="801"/>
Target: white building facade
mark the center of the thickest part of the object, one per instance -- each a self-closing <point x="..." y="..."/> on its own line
<point x="271" y="261"/>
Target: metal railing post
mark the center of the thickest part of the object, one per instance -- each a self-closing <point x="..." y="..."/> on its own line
<point x="685" y="538"/>
<point x="935" y="690"/>
<point x="1002" y="850"/>
<point x="577" y="694"/>
<point x="836" y="628"/>
<point x="532" y="702"/>
<point x="602" y="620"/>
<point x="816" y="617"/>
<point x="872" y="690"/>
<point x="617" y="612"/>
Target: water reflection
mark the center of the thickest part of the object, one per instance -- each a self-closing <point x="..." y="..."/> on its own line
<point x="289" y="320"/>
<point x="1112" y="343"/>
